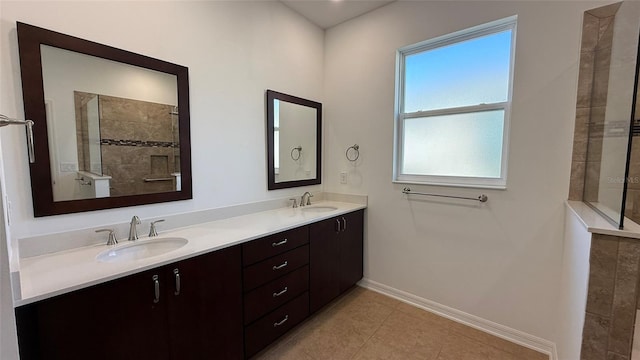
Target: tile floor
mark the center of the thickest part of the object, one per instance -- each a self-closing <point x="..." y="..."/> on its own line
<point x="364" y="324"/>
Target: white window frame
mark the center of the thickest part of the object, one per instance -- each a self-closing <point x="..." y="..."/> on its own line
<point x="400" y="116"/>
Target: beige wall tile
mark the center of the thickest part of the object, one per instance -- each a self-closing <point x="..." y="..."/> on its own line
<point x="594" y="337"/>
<point x="602" y="274"/>
<point x="625" y="297"/>
<point x="576" y="185"/>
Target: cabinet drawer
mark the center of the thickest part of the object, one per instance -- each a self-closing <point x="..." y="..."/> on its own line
<point x="272" y="268"/>
<point x="272" y="326"/>
<point x="268" y="297"/>
<point x="275" y="244"/>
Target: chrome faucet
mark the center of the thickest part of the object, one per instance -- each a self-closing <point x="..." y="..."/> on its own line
<point x="152" y="228"/>
<point x="112" y="236"/>
<point x="133" y="231"/>
<point x="308" y="196"/>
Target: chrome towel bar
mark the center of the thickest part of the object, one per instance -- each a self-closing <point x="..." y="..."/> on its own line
<point x="481" y="198"/>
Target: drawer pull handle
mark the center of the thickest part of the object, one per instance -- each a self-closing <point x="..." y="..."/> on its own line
<point x="279" y="243"/>
<point x="156" y="286"/>
<point x="281" y="292"/>
<point x="276" y="324"/>
<point x="280" y="266"/>
<point x="176" y="274"/>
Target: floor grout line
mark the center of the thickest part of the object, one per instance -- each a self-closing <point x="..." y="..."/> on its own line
<point x="375" y="331"/>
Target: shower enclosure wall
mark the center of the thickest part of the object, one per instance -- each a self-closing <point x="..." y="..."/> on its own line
<point x="605" y="114"/>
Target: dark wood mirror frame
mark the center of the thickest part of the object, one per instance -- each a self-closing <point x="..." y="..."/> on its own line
<point x="29" y="40"/>
<point x="272" y="184"/>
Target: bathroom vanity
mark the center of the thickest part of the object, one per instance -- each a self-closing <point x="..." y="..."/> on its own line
<point x="227" y="301"/>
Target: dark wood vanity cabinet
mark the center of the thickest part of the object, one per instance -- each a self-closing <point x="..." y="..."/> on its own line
<point x="191" y="309"/>
<point x="276" y="286"/>
<point x="227" y="304"/>
<point x="336" y="250"/>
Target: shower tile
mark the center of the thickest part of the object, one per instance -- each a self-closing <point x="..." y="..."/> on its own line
<point x="594" y="152"/>
<point x="594" y="337"/>
<point x="614" y="356"/>
<point x="576" y="187"/>
<point x="601" y="77"/>
<point x="581" y="134"/>
<point x="605" y="11"/>
<point x="625" y="297"/>
<point x="585" y="79"/>
<point x="591" y="181"/>
<point x="605" y="33"/>
<point x="602" y="273"/>
<point x="590" y="30"/>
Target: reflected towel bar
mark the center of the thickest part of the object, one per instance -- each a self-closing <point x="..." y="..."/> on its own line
<point x="481" y="198"/>
<point x="157" y="179"/>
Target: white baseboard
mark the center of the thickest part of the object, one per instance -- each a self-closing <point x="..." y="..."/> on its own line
<point x="521" y="338"/>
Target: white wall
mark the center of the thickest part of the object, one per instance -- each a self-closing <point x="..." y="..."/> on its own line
<point x="234" y="50"/>
<point x="574" y="280"/>
<point x="500" y="261"/>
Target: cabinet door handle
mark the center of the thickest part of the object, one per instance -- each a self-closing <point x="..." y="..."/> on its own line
<point x="156" y="287"/>
<point x="276" y="324"/>
<point x="281" y="292"/>
<point x="339" y="226"/>
<point x="279" y="243"/>
<point x="344" y="222"/>
<point x="280" y="266"/>
<point x="176" y="274"/>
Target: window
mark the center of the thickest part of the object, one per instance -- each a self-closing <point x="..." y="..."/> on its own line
<point x="453" y="98"/>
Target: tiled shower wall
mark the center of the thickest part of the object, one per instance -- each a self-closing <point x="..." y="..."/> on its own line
<point x="614" y="278"/>
<point x="614" y="274"/>
<point x="593" y="81"/>
<point x="138" y="145"/>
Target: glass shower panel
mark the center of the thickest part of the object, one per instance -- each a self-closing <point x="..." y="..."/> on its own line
<point x="609" y="53"/>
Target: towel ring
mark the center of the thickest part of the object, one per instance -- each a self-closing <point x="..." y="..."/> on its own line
<point x="299" y="149"/>
<point x="356" y="152"/>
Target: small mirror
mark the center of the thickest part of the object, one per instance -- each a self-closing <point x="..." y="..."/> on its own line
<point x="111" y="127"/>
<point x="294" y="133"/>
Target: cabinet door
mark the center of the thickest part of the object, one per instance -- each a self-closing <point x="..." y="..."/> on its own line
<point x="351" y="249"/>
<point x="114" y="320"/>
<point x="324" y="263"/>
<point x="205" y="315"/>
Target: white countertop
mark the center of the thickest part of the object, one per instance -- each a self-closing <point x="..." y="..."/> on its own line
<point x="596" y="224"/>
<point x="48" y="275"/>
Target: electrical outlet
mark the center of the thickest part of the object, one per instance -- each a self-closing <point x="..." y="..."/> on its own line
<point x="343" y="177"/>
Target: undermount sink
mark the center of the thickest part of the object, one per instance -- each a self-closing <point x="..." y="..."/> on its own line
<point x="141" y="250"/>
<point x="318" y="208"/>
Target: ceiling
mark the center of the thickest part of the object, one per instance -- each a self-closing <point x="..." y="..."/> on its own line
<point x="328" y="13"/>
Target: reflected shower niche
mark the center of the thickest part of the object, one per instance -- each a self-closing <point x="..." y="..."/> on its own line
<point x="125" y="147"/>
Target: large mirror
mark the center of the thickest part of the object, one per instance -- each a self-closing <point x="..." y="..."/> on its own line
<point x="111" y="127"/>
<point x="294" y="133"/>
